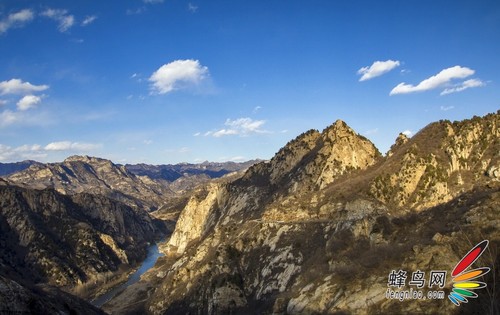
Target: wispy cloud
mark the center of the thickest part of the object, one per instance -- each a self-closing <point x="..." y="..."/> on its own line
<point x="240" y="126"/>
<point x="36" y="151"/>
<point x="179" y="74"/>
<point x="15" y="20"/>
<point x="89" y="20"/>
<point x="378" y="68"/>
<point x="17" y="86"/>
<point x="472" y="83"/>
<point x="61" y="16"/>
<point x="71" y="146"/>
<point x="152" y="1"/>
<point x="28" y="101"/>
<point x="192" y="8"/>
<point x="8" y="117"/>
<point x="440" y="80"/>
<point x="23" y="152"/>
<point x="25" y="118"/>
<point x="446" y="108"/>
<point x="139" y="10"/>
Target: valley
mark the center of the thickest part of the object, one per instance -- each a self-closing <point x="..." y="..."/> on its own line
<point x="314" y="230"/>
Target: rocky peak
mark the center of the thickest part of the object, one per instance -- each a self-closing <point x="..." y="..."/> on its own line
<point x="400" y="140"/>
<point x="341" y="151"/>
<point x="339" y="129"/>
<point x="83" y="158"/>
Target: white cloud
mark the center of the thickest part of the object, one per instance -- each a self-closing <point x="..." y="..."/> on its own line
<point x="225" y="132"/>
<point x="17" y="19"/>
<point x="472" y="83"/>
<point x="153" y="1"/>
<point x="28" y="101"/>
<point x="3" y="102"/>
<point x="65" y="20"/>
<point x="237" y="159"/>
<point x="89" y="20"/>
<point x="256" y="109"/>
<point x="147" y="142"/>
<point x="197" y="134"/>
<point x="446" y="108"/>
<point x="240" y="126"/>
<point x="177" y="75"/>
<point x="407" y="133"/>
<point x="17" y="86"/>
<point x="245" y="124"/>
<point x="71" y="146"/>
<point x="378" y="68"/>
<point x="36" y="151"/>
<point x="23" y="152"/>
<point x="439" y="80"/>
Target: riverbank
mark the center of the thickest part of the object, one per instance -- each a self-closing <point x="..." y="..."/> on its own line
<point x="152" y="255"/>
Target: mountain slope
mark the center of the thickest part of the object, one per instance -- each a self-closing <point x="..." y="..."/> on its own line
<point x="316" y="229"/>
<point x="97" y="176"/>
<point x="65" y="241"/>
<point x="10" y="168"/>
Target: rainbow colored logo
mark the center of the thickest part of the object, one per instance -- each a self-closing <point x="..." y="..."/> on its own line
<point x="461" y="279"/>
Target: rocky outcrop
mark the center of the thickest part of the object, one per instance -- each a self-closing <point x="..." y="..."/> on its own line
<point x="83" y="174"/>
<point x="197" y="217"/>
<point x="317" y="229"/>
<point x="64" y="241"/>
<point x="10" y="168"/>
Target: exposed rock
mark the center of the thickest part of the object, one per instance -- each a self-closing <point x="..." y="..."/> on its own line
<point x="79" y="174"/>
<point x="11" y="168"/>
<point x="400" y="140"/>
<point x="317" y="229"/>
<point x="63" y="241"/>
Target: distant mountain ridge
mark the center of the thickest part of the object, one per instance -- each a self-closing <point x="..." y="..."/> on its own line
<point x="11" y="168"/>
<point x="141" y="185"/>
<point x="172" y="172"/>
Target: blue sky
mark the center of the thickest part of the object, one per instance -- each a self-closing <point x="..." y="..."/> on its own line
<point x="186" y="81"/>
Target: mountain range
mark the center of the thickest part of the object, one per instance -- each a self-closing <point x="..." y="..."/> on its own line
<point x="315" y="230"/>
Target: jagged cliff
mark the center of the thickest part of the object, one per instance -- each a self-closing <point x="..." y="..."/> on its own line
<point x="67" y="240"/>
<point x="318" y="228"/>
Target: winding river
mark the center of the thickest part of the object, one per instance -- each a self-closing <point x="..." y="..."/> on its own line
<point x="148" y="263"/>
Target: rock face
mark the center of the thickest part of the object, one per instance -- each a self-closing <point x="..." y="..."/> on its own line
<point x="194" y="221"/>
<point x="10" y="168"/>
<point x="66" y="240"/>
<point x="78" y="174"/>
<point x="318" y="228"/>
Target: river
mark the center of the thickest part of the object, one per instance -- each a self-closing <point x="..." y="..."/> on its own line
<point x="148" y="263"/>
